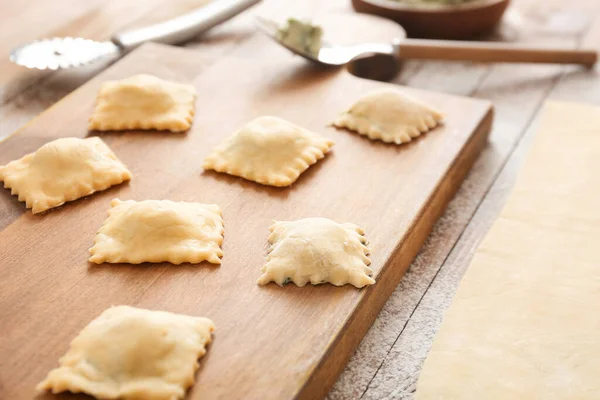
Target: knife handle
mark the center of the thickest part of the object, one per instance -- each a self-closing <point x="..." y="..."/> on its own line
<point x="184" y="27"/>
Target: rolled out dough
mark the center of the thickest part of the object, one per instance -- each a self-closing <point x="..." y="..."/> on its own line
<point x="525" y="322"/>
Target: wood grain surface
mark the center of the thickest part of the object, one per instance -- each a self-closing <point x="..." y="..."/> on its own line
<point x="386" y="365"/>
<point x="271" y="342"/>
<point x="388" y="362"/>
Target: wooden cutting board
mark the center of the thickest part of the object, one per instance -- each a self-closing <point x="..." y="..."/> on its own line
<point x="271" y="342"/>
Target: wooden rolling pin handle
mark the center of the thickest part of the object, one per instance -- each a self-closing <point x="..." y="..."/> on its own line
<point x="490" y="52"/>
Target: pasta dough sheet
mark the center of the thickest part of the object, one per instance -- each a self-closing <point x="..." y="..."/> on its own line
<point x="525" y="322"/>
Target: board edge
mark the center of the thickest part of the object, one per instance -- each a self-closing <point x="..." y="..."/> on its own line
<point x="326" y="373"/>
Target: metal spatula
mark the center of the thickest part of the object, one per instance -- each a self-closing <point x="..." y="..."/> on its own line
<point x="68" y="52"/>
<point x="335" y="55"/>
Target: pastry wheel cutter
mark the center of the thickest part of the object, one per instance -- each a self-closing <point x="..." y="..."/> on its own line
<point x="67" y="52"/>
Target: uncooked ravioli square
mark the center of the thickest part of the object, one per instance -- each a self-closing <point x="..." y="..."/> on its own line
<point x="159" y="231"/>
<point x="389" y="115"/>
<point x="143" y="102"/>
<point x="131" y="353"/>
<point x="317" y="250"/>
<point x="63" y="170"/>
<point x="270" y="151"/>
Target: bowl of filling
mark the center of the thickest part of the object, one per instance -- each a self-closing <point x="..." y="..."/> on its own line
<point x="439" y="19"/>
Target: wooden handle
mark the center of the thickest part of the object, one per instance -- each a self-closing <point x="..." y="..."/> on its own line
<point x="491" y="52"/>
